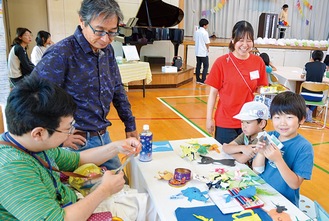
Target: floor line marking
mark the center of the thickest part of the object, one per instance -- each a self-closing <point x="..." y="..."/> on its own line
<point x="170" y="97"/>
<point x="191" y="123"/>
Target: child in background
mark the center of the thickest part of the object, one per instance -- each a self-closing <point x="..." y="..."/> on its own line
<point x="269" y="67"/>
<point x="285" y="169"/>
<point x="314" y="71"/>
<point x="253" y="116"/>
<point x="283" y="20"/>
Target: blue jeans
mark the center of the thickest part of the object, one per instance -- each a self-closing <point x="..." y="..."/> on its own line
<point x="226" y="135"/>
<point x="101" y="140"/>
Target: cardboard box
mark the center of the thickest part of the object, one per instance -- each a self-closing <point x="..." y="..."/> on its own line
<point x="169" y="69"/>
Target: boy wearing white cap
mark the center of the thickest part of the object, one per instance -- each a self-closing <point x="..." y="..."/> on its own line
<point x="253" y="116"/>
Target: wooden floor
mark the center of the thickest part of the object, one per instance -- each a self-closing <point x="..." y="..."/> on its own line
<point x="179" y="113"/>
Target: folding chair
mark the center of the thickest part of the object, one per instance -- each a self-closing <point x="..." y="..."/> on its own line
<point x="274" y="79"/>
<point x="324" y="103"/>
<point x="321" y="214"/>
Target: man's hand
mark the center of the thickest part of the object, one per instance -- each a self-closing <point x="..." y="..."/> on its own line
<point x="132" y="134"/>
<point x="74" y="140"/>
<point x="130" y="146"/>
<point x="112" y="183"/>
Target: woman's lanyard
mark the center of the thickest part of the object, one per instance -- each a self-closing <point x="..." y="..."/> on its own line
<point x="9" y="138"/>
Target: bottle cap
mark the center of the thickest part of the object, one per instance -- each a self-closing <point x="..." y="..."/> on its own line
<point x="146" y="127"/>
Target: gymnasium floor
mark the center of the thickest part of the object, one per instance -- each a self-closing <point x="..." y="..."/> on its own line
<point x="179" y="113"/>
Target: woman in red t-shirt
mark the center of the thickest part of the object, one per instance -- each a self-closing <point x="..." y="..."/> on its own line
<point x="235" y="77"/>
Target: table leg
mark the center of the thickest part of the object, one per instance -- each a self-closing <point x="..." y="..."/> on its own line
<point x="185" y="56"/>
<point x="143" y="87"/>
<point x="297" y="89"/>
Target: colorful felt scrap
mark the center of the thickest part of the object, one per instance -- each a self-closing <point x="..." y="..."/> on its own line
<point x="202" y="218"/>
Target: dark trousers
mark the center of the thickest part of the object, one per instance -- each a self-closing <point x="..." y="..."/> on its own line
<point x="226" y="135"/>
<point x="205" y="62"/>
<point x="282" y="30"/>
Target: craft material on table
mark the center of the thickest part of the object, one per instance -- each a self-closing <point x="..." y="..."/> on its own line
<point x="186" y="214"/>
<point x="208" y="160"/>
<point x="239" y="203"/>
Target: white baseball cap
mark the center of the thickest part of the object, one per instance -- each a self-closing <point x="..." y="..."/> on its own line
<point x="252" y="111"/>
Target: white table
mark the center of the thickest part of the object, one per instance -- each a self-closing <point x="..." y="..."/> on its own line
<point x="134" y="71"/>
<point x="143" y="179"/>
<point x="291" y="77"/>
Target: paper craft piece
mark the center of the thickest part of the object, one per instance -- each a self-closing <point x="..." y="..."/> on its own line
<point x="161" y="146"/>
<point x="238" y="203"/>
<point x="130" y="52"/>
<point x="264" y="136"/>
<point x="208" y="160"/>
<point x="246" y="192"/>
<point x="246" y="216"/>
<point x="193" y="193"/>
<point x="202" y="218"/>
<point x="189" y="152"/>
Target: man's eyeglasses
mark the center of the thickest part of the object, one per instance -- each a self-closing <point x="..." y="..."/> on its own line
<point x="71" y="130"/>
<point x="102" y="33"/>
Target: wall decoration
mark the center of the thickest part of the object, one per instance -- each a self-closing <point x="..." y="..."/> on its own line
<point x="216" y="8"/>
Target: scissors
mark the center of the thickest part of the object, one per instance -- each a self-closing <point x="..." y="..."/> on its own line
<point x="90" y="183"/>
<point x="208" y="160"/>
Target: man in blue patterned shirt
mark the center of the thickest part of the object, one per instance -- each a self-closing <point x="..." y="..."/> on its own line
<point x="84" y="65"/>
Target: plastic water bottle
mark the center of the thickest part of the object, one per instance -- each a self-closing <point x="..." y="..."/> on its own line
<point x="146" y="137"/>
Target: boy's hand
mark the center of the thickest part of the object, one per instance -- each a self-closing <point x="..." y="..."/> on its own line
<point x="260" y="147"/>
<point x="249" y="150"/>
<point x="272" y="152"/>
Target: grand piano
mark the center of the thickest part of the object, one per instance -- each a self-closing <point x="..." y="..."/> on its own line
<point x="154" y="18"/>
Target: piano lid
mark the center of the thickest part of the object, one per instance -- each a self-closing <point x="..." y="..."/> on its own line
<point x="156" y="13"/>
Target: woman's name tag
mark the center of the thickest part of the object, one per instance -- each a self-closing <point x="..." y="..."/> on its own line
<point x="254" y="75"/>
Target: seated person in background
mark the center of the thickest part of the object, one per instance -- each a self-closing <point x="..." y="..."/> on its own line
<point x="269" y="67"/>
<point x="19" y="64"/>
<point x="40" y="117"/>
<point x="285" y="169"/>
<point x="326" y="60"/>
<point x="314" y="71"/>
<point x="43" y="41"/>
<point x="253" y="116"/>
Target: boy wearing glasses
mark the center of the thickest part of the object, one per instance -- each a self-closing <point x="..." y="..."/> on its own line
<point x="39" y="118"/>
<point x="84" y="65"/>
